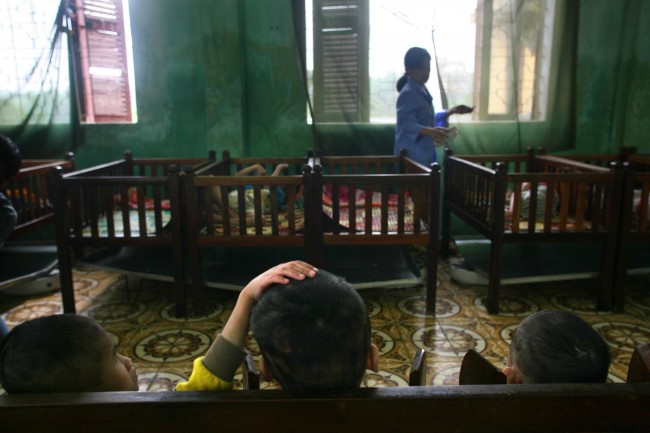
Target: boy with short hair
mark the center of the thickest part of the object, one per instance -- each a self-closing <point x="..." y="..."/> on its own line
<point x="554" y="346"/>
<point x="63" y="353"/>
<point x="314" y="334"/>
<point x="312" y="328"/>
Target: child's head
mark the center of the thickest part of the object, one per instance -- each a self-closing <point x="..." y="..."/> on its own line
<point x="63" y="353"/>
<point x="314" y="333"/>
<point x="557" y="347"/>
<point x="10" y="158"/>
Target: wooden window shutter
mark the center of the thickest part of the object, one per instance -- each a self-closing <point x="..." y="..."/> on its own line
<point x="341" y="41"/>
<point x="102" y="61"/>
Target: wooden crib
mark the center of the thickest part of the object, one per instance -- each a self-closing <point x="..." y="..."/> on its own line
<point x="583" y="205"/>
<point x="632" y="252"/>
<point x="225" y="209"/>
<point x="374" y="201"/>
<point x="128" y="212"/>
<point x="29" y="193"/>
<point x="400" y="211"/>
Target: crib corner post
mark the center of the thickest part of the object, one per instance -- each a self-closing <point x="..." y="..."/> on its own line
<point x="314" y="242"/>
<point x="59" y="203"/>
<point x="449" y="152"/>
<point x="445" y="216"/>
<point x="496" y="246"/>
<point x="620" y="222"/>
<point x="225" y="155"/>
<point x="128" y="163"/>
<point x="434" y="237"/>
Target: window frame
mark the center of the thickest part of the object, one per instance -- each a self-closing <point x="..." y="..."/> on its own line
<point x="344" y="23"/>
<point x="98" y="40"/>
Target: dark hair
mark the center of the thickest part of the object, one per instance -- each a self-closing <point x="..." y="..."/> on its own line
<point x="10" y="158"/>
<point x="313" y="333"/>
<point x="559" y="347"/>
<point x="413" y="59"/>
<point x="59" y="353"/>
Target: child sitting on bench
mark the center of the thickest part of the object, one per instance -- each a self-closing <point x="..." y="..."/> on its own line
<point x="312" y="328"/>
<point x="63" y="353"/>
<point x="553" y="346"/>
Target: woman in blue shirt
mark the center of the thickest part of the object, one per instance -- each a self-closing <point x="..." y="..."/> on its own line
<point x="419" y="128"/>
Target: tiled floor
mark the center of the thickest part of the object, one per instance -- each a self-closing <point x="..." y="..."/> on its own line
<point x="141" y="320"/>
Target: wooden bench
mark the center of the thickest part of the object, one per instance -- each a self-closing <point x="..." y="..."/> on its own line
<point x="484" y="408"/>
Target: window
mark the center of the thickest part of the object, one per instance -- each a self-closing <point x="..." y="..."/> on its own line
<point x="341" y="60"/>
<point x="493" y="54"/>
<point x="34" y="71"/>
<point x="103" y="61"/>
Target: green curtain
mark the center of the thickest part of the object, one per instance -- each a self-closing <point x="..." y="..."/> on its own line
<point x="613" y="77"/>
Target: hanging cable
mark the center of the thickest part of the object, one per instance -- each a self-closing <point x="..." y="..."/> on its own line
<point x="443" y="94"/>
<point x="515" y="68"/>
<point x="298" y="16"/>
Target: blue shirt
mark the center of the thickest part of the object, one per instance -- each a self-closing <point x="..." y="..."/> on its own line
<point x="414" y="112"/>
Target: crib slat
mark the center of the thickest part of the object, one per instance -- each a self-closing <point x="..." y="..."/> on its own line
<point x="368" y="208"/>
<point x="352" y="210"/>
<point x="384" y="209"/>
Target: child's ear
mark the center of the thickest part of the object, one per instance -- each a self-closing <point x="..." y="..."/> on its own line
<point x="372" y="363"/>
<point x="512" y="375"/>
<point x="265" y="370"/>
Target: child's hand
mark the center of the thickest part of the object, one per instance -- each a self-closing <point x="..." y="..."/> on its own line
<point x="236" y="327"/>
<point x="280" y="274"/>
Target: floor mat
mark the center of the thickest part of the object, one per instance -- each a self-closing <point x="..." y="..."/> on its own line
<point x="146" y="262"/>
<point x="362" y="266"/>
<point x="528" y="263"/>
<point x="233" y="268"/>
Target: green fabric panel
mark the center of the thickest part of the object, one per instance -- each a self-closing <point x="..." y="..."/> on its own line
<point x="613" y="81"/>
<point x="275" y="93"/>
<point x="637" y="109"/>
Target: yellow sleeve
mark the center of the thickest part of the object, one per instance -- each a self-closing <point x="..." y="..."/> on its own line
<point x="202" y="379"/>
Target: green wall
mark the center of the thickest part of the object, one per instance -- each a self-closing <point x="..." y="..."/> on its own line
<point x="225" y="75"/>
<point x="218" y="75"/>
<point x="613" y="92"/>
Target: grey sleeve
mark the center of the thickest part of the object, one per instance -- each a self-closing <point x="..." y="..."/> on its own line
<point x="223" y="359"/>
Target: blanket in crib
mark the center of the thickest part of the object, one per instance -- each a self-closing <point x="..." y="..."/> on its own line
<point x="134" y="223"/>
<point x="360" y="215"/>
<point x="267" y="224"/>
<point x="570" y="226"/>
